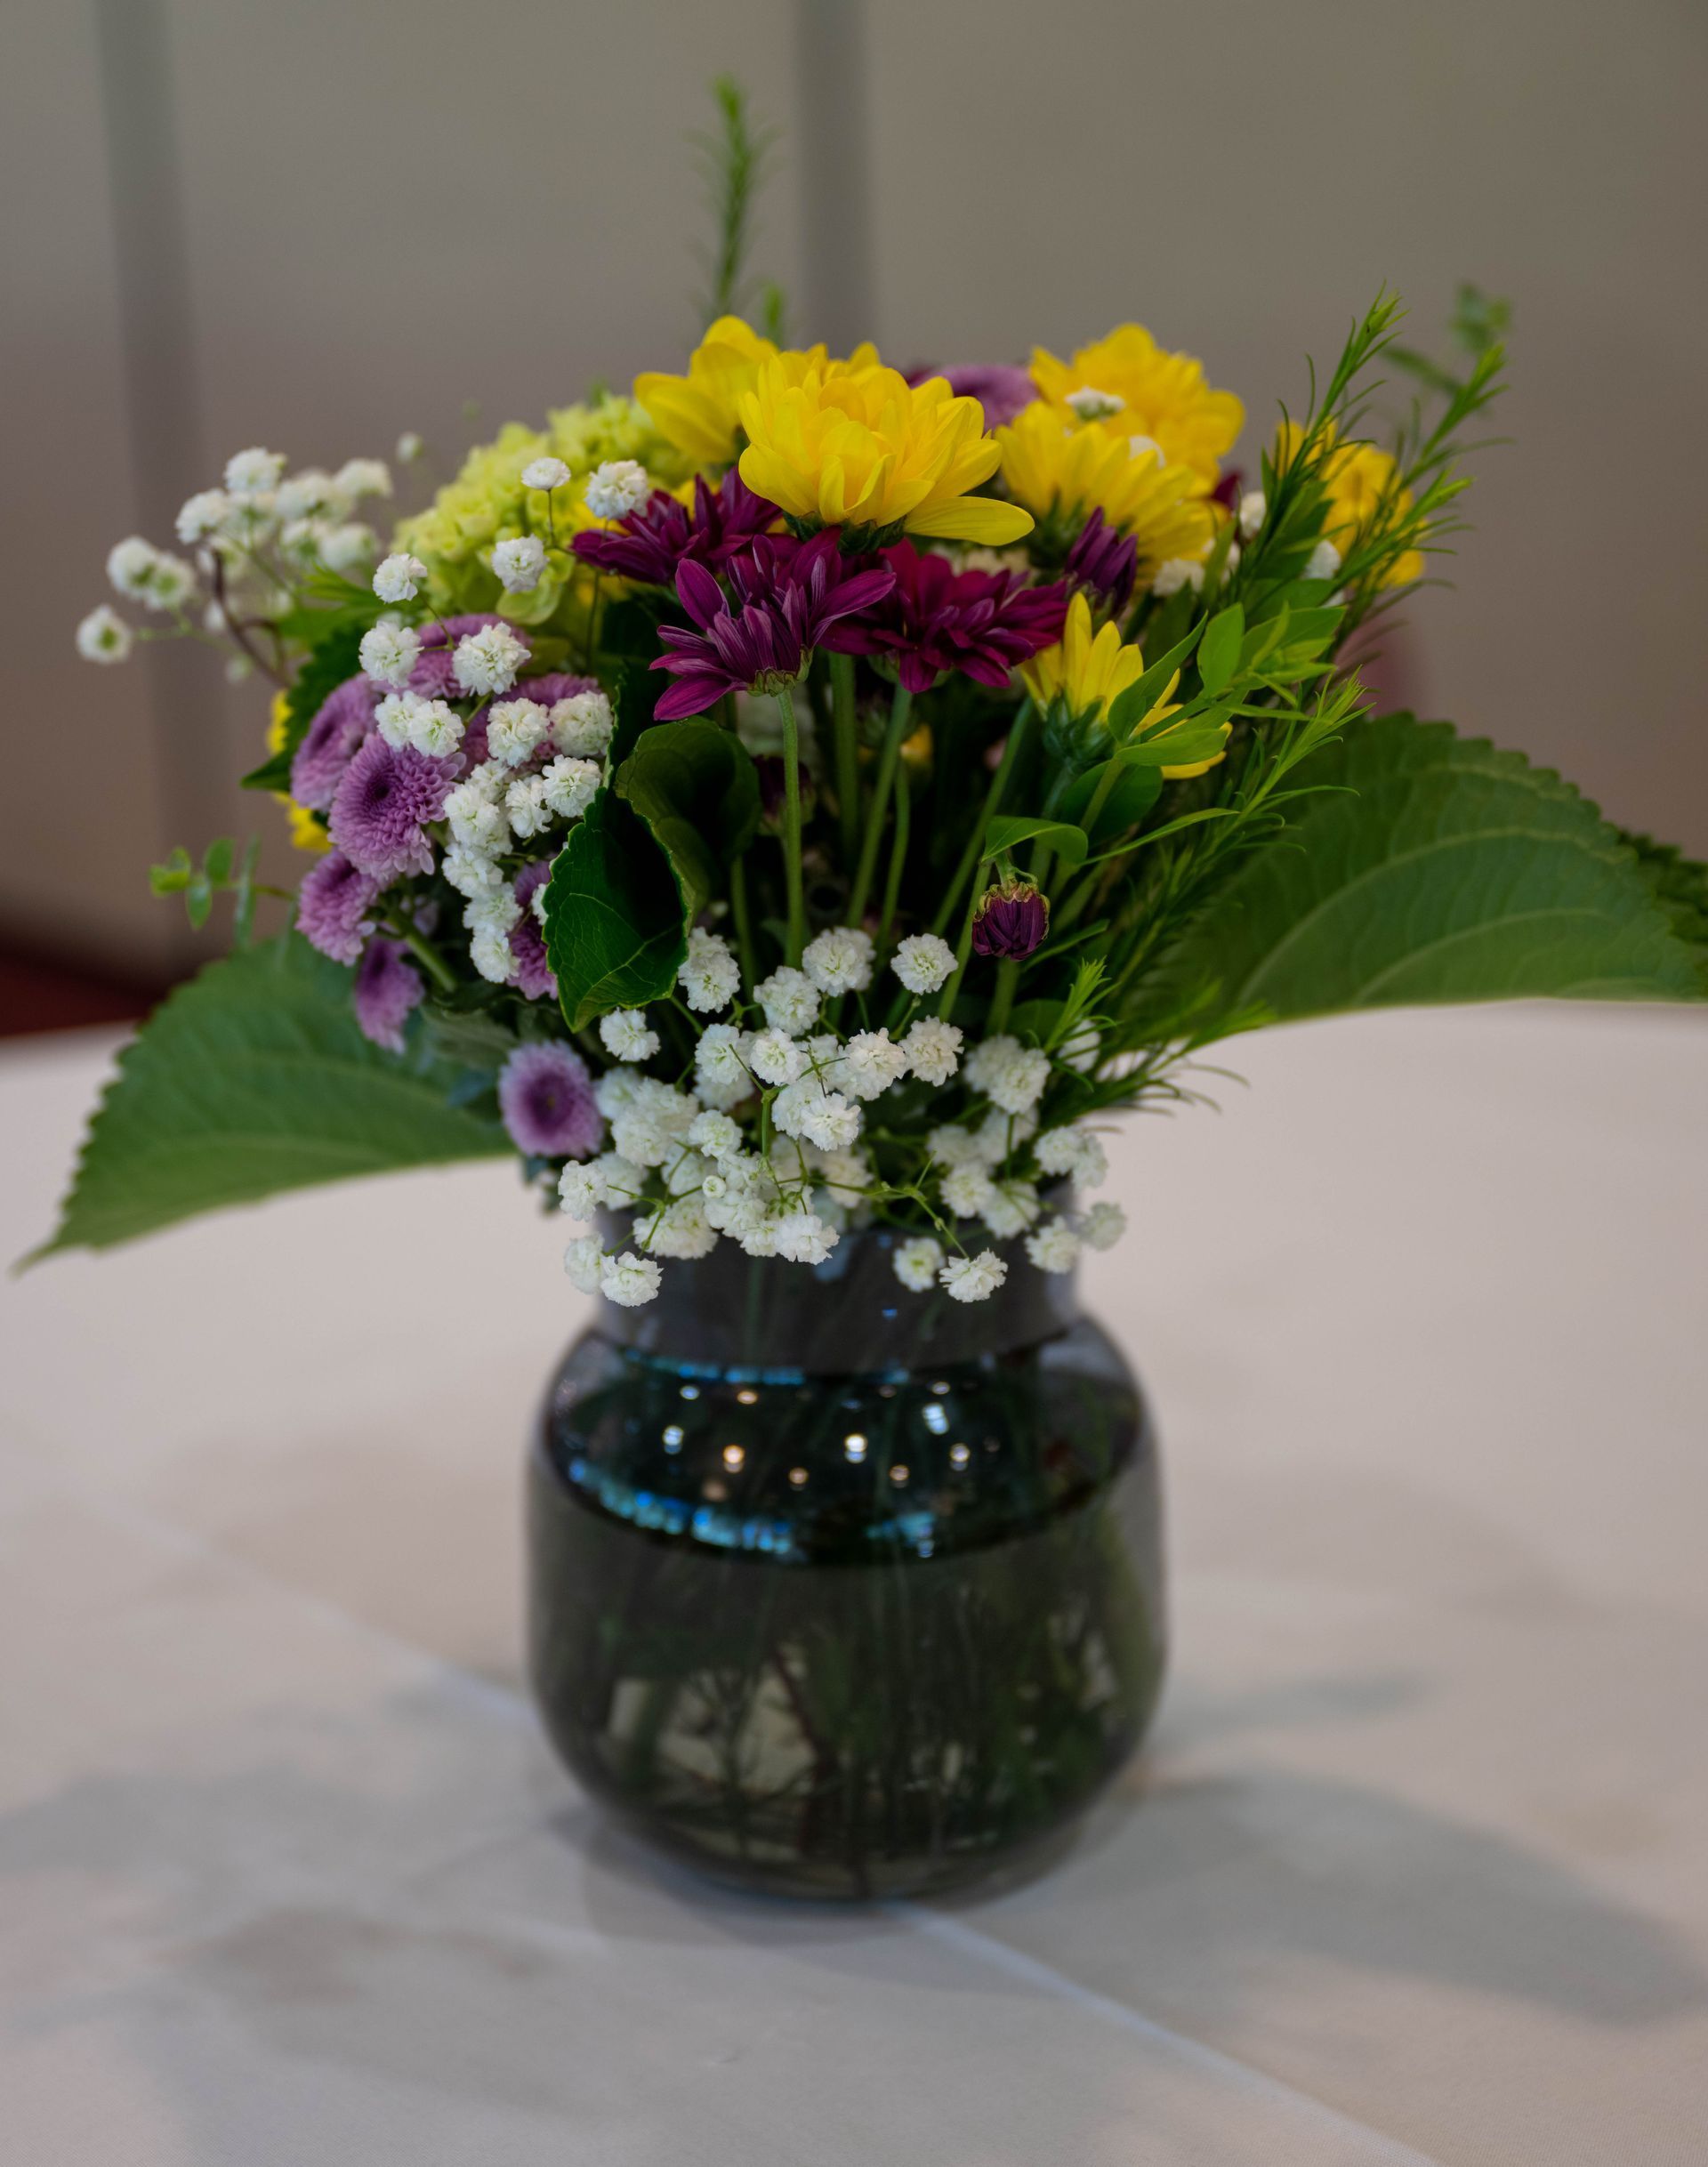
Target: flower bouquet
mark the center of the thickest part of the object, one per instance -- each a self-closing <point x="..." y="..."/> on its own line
<point x="791" y="808"/>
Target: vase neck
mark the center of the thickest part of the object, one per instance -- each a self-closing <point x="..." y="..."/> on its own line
<point x="848" y="1316"/>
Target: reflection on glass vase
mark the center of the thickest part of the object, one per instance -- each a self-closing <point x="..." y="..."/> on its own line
<point x="842" y="1591"/>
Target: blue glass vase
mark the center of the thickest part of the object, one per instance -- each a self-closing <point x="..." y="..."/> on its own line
<point x="840" y="1591"/>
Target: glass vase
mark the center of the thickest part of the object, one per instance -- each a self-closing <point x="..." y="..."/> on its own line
<point x="840" y="1589"/>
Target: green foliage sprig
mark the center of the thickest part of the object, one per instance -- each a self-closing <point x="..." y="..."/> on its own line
<point x="736" y="157"/>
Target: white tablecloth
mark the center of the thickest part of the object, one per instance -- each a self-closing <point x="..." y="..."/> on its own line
<point x="1416" y="1869"/>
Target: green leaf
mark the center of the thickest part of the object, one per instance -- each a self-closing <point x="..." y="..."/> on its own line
<point x="1135" y="789"/>
<point x="199" y="899"/>
<point x="637" y="693"/>
<point x="1175" y="747"/>
<point x="251" y="1079"/>
<point x="174" y="876"/>
<point x="1679" y="884"/>
<point x="615" y="929"/>
<point x="1428" y="867"/>
<point x="1009" y="831"/>
<point x="1218" y="650"/>
<point x="1132" y="706"/>
<point x="696" y="787"/>
<point x="274" y="774"/>
<point x="218" y="859"/>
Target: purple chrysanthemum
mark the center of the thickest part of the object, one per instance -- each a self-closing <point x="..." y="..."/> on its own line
<point x="388" y="987"/>
<point x="388" y="791"/>
<point x="343" y="719"/>
<point x="1000" y="389"/>
<point x="935" y="618"/>
<point x="432" y="675"/>
<point x="533" y="977"/>
<point x="1105" y="560"/>
<point x="651" y="544"/>
<point x="787" y="596"/>
<point x="546" y="1097"/>
<point x="333" y="906"/>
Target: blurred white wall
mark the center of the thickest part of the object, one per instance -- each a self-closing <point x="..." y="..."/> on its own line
<point x="315" y="225"/>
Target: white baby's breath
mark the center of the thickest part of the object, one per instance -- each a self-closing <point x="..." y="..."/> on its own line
<point x="922" y="963"/>
<point x="388" y="652"/>
<point x="629" y="1280"/>
<point x="839" y="961"/>
<point x="918" y="1261"/>
<point x="973" y="1278"/>
<point x="398" y="578"/>
<point x="518" y="563"/>
<point x="617" y="488"/>
<point x="627" y="1036"/>
<point x="933" y="1049"/>
<point x="582" y="725"/>
<point x="104" y="636"/>
<point x="487" y="661"/>
<point x="248" y="473"/>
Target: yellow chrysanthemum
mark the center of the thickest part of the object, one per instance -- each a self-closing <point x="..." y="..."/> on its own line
<point x="700" y="413"/>
<point x="1089" y="675"/>
<point x="1360" y="478"/>
<point x="862" y="447"/>
<point x="1146" y="391"/>
<point x="306" y="832"/>
<point x="1054" y="464"/>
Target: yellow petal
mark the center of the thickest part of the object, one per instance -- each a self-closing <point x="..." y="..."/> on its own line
<point x="970" y="519"/>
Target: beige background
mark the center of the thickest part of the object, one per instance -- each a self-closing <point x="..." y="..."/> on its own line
<point x="310" y="226"/>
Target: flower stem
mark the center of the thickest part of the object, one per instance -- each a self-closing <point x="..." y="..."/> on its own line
<point x="898" y="857"/>
<point x="743" y="923"/>
<point x="881" y="788"/>
<point x="1008" y="977"/>
<point x="962" y="950"/>
<point x="424" y="951"/>
<point x="848" y="772"/>
<point x="969" y="857"/>
<point x="792" y="823"/>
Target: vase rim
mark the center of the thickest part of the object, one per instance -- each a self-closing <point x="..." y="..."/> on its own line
<point x="850" y="1315"/>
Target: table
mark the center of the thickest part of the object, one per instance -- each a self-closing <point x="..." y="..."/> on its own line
<point x="1416" y="1868"/>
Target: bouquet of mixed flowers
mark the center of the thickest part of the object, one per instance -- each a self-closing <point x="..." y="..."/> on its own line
<point x="801" y="794"/>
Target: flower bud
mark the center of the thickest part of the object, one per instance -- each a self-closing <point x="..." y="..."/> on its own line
<point x="1010" y="920"/>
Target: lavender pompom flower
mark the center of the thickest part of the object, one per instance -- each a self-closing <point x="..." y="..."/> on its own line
<point x="545" y="1096"/>
<point x="434" y="676"/>
<point x="1105" y="560"/>
<point x="533" y="977"/>
<point x="344" y="718"/>
<point x="388" y="987"/>
<point x="386" y="795"/>
<point x="333" y="906"/>
<point x="1010" y="920"/>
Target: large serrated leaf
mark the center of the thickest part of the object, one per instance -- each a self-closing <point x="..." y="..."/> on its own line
<point x="615" y="925"/>
<point x="251" y="1079"/>
<point x="696" y="787"/>
<point x="1436" y="868"/>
